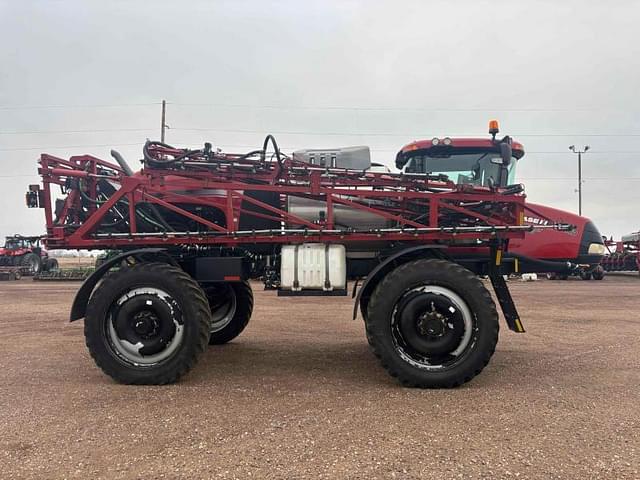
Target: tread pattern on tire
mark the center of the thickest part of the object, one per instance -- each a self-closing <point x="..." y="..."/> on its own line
<point x="188" y="354"/>
<point x="469" y="287"/>
<point x="24" y="261"/>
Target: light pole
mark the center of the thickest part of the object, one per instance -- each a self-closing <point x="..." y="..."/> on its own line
<point x="579" y="152"/>
<point x="163" y="121"/>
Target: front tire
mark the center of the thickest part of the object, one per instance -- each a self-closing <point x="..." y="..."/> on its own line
<point x="432" y="324"/>
<point x="147" y="324"/>
<point x="231" y="306"/>
<point x="598" y="273"/>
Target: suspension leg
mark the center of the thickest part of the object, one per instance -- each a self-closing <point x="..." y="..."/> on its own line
<point x="502" y="291"/>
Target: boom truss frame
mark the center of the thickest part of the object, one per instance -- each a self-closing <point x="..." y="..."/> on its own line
<point x="419" y="208"/>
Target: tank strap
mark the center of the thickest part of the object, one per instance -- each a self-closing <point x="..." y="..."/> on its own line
<point x="327" y="281"/>
<point x="296" y="283"/>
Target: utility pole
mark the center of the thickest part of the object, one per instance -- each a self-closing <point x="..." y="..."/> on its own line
<point x="579" y="152"/>
<point x="163" y="124"/>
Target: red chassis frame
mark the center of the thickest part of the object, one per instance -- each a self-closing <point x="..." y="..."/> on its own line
<point x="478" y="213"/>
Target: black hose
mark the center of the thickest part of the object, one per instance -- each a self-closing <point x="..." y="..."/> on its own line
<point x="95" y="201"/>
<point x="122" y="162"/>
<point x="155" y="163"/>
<point x="267" y="139"/>
<point x="544" y="265"/>
<point x="251" y="154"/>
<point x="160" y="218"/>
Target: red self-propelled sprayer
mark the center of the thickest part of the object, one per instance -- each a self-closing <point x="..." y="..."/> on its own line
<point x="196" y="225"/>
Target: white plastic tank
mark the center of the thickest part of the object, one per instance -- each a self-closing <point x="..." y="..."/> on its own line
<point x="313" y="266"/>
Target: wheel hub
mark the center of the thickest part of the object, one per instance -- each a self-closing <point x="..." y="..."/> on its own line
<point x="145" y="324"/>
<point x="432" y="324"/>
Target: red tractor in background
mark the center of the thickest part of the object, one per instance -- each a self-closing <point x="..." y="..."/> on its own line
<point x="476" y="162"/>
<point x="27" y="254"/>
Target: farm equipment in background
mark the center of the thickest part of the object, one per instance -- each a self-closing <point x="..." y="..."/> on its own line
<point x="623" y="255"/>
<point x="11" y="273"/>
<point x="474" y="161"/>
<point x="76" y="274"/>
<point x="195" y="225"/>
<point x="26" y="256"/>
<point x="106" y="256"/>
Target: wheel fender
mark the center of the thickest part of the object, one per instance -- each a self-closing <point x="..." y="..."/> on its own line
<point x="391" y="262"/>
<point x="79" y="307"/>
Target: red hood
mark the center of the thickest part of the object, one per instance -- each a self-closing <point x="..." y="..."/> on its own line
<point x="534" y="210"/>
<point x="550" y="244"/>
<point x="13" y="253"/>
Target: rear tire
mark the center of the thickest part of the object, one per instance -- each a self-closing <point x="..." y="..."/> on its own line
<point x="231" y="306"/>
<point x="51" y="265"/>
<point x="33" y="262"/>
<point x="432" y="324"/>
<point x="147" y="324"/>
<point x="585" y="275"/>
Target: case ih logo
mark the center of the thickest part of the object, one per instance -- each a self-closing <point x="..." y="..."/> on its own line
<point x="535" y="221"/>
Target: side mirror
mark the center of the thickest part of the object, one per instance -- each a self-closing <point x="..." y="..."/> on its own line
<point x="505" y="153"/>
<point x="401" y="161"/>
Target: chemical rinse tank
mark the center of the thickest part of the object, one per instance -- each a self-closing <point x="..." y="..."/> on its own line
<point x="353" y="158"/>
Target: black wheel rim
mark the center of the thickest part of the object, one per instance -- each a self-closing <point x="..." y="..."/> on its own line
<point x="144" y="327"/>
<point x="223" y="305"/>
<point x="432" y="327"/>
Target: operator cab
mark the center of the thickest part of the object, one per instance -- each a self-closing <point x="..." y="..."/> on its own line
<point x="15" y="243"/>
<point x="476" y="161"/>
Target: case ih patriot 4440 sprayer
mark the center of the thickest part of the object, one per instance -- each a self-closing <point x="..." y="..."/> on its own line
<point x="196" y="225"/>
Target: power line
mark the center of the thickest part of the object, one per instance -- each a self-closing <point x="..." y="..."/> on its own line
<point x="57" y="132"/>
<point x="392" y="109"/>
<point x="412" y="135"/>
<point x="571" y="179"/>
<point x="18" y="176"/>
<point x="114" y="105"/>
<point x="316" y="107"/>
<point x="301" y="132"/>
<point x="51" y="147"/>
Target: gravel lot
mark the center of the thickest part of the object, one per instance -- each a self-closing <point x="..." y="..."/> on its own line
<point x="299" y="395"/>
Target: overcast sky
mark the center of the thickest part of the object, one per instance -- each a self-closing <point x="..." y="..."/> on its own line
<point x="84" y="76"/>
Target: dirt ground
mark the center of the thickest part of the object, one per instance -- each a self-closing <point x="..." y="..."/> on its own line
<point x="299" y="395"/>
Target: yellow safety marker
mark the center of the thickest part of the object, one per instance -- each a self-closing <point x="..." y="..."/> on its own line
<point x="519" y="327"/>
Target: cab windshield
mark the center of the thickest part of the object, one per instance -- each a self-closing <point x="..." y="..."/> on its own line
<point x="13" y="244"/>
<point x="480" y="169"/>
